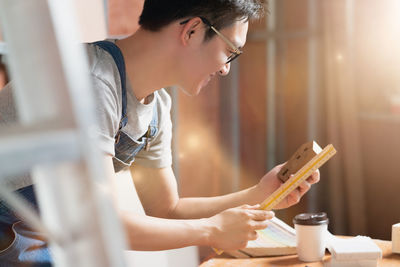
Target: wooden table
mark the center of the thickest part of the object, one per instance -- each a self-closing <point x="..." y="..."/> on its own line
<point x="388" y="259"/>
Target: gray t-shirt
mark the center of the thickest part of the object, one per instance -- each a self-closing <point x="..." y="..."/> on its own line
<point x="107" y="90"/>
<point x="107" y="85"/>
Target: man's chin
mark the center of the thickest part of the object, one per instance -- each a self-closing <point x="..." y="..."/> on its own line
<point x="191" y="92"/>
<point x="194" y="91"/>
<point x="204" y="83"/>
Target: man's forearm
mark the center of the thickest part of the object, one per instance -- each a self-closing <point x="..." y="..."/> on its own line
<point x="228" y="230"/>
<point x="149" y="233"/>
<point x="203" y="207"/>
<point x="159" y="196"/>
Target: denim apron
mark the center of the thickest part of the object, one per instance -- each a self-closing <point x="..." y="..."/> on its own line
<point x="20" y="246"/>
<point x="125" y="147"/>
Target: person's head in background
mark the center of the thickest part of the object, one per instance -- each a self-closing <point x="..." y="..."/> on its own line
<point x="123" y="17"/>
<point x="3" y="70"/>
<point x="211" y="33"/>
<point x="3" y="74"/>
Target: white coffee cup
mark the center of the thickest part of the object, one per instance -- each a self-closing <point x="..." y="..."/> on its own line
<point x="311" y="235"/>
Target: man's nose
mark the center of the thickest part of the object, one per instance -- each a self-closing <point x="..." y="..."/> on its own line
<point x="225" y="69"/>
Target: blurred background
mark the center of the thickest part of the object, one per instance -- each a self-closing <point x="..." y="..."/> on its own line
<point x="327" y="71"/>
<point x="323" y="70"/>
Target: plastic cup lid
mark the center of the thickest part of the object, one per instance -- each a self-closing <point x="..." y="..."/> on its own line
<point x="311" y="218"/>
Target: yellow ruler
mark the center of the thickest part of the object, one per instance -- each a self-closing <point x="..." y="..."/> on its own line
<point x="299" y="177"/>
<point x="292" y="183"/>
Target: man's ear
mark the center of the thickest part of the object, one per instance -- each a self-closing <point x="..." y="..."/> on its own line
<point x="191" y="29"/>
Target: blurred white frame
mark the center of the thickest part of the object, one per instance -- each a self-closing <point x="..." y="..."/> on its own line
<point x="128" y="199"/>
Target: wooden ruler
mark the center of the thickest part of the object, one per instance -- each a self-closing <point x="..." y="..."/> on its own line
<point x="300" y="176"/>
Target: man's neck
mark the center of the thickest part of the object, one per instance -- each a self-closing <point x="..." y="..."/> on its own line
<point x="149" y="64"/>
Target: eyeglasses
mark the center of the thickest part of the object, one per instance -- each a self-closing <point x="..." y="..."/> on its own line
<point x="236" y="51"/>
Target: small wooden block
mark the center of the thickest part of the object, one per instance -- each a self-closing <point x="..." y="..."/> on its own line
<point x="302" y="155"/>
<point x="396" y="238"/>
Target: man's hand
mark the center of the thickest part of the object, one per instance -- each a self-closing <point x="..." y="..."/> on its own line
<point x="233" y="228"/>
<point x="270" y="182"/>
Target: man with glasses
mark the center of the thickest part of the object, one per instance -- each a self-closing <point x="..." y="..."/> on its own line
<point x="181" y="43"/>
<point x="235" y="50"/>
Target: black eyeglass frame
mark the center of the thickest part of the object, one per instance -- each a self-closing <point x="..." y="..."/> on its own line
<point x="236" y="51"/>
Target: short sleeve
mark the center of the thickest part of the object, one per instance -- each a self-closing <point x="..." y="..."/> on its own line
<point x="159" y="154"/>
<point x="107" y="107"/>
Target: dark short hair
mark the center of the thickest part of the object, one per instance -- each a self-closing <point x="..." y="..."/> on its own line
<point x="220" y="13"/>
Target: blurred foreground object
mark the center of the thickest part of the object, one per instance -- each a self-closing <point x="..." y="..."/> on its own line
<point x="396" y="238"/>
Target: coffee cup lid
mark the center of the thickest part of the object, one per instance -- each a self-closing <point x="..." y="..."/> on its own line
<point x="311" y="218"/>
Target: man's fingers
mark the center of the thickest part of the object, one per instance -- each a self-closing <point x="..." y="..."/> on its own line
<point x="314" y="177"/>
<point x="261" y="215"/>
<point x="250" y="207"/>
<point x="253" y="235"/>
<point x="259" y="225"/>
<point x="304" y="187"/>
<point x="294" y="196"/>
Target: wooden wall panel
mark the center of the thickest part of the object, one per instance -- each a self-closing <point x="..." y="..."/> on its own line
<point x="198" y="138"/>
<point x="381" y="153"/>
<point x="293" y="15"/>
<point x="293" y="94"/>
<point x="252" y="104"/>
<point x="292" y="103"/>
